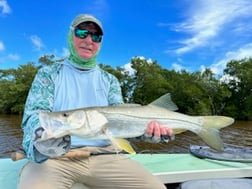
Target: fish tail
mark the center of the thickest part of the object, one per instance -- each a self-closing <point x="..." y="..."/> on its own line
<point x="210" y="130"/>
<point x="217" y="122"/>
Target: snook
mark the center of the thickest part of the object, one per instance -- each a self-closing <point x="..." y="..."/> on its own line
<point x="130" y="120"/>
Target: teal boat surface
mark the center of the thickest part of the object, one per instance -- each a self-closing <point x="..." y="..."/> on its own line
<point x="170" y="168"/>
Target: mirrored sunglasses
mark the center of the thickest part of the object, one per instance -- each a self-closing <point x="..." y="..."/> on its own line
<point x="96" y="37"/>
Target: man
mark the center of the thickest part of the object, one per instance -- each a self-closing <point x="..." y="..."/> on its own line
<point x="78" y="82"/>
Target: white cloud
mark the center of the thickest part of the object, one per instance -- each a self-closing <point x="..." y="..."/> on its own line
<point x="177" y="67"/>
<point x="132" y="71"/>
<point x="1" y="46"/>
<point x="65" y="52"/>
<point x="13" y="57"/>
<point x="140" y="57"/>
<point x="207" y="18"/>
<point x="241" y="53"/>
<point x="59" y="54"/>
<point x="37" y="42"/>
<point x="129" y="69"/>
<point x="149" y="60"/>
<point x="228" y="78"/>
<point x="4" y="7"/>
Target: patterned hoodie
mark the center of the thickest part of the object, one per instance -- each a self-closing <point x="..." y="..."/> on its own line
<point x="64" y="86"/>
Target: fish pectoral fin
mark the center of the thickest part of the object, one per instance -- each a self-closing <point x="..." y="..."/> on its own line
<point x="123" y="144"/>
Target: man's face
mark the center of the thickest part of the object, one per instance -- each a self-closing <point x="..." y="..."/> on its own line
<point x="84" y="45"/>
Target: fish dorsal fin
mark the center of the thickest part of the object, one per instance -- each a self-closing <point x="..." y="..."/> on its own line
<point x="165" y="101"/>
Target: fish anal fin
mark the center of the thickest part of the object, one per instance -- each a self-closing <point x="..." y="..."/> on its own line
<point x="210" y="133"/>
<point x="123" y="144"/>
<point x="211" y="137"/>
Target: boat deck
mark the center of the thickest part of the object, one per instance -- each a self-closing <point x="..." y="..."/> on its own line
<point x="176" y="168"/>
<point x="170" y="168"/>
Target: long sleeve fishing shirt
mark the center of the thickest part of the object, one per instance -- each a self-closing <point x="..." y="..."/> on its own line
<point x="59" y="87"/>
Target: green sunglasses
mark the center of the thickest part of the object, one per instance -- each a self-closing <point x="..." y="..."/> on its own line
<point x="96" y="37"/>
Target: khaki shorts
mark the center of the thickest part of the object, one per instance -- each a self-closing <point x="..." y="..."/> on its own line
<point x="115" y="171"/>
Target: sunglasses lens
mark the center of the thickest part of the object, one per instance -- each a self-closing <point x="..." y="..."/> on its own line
<point x="81" y="33"/>
<point x="84" y="33"/>
<point x="96" y="37"/>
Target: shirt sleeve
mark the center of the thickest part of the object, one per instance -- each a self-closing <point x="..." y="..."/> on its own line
<point x="115" y="92"/>
<point x="40" y="98"/>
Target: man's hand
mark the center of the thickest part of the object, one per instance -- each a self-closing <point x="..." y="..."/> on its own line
<point x="156" y="133"/>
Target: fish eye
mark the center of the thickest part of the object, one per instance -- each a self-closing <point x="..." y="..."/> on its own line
<point x="65" y="115"/>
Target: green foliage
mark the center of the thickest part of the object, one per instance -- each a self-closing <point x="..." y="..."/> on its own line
<point x="14" y="87"/>
<point x="124" y="78"/>
<point x="213" y="94"/>
<point x="240" y="86"/>
<point x="150" y="82"/>
<point x="49" y="59"/>
<point x="195" y="93"/>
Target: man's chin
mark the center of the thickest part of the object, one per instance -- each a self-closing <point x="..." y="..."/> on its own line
<point x="85" y="55"/>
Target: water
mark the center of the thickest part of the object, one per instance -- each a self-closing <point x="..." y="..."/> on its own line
<point x="10" y="134"/>
<point x="239" y="135"/>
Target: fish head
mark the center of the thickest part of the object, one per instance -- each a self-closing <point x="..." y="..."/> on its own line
<point x="80" y="123"/>
<point x="59" y="120"/>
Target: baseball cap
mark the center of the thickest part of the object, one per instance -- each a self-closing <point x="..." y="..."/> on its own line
<point x="86" y="18"/>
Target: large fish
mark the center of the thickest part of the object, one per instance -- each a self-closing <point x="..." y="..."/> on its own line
<point x="130" y="120"/>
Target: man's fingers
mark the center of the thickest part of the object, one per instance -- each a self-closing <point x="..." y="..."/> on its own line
<point x="157" y="130"/>
<point x="154" y="129"/>
<point x="169" y="131"/>
<point x="150" y="129"/>
<point x="163" y="131"/>
<point x="157" y="133"/>
<point x="166" y="134"/>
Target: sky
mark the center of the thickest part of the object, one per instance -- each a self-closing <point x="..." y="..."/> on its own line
<point x="178" y="34"/>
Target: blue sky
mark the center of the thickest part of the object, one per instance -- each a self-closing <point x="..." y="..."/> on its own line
<point x="178" y="34"/>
